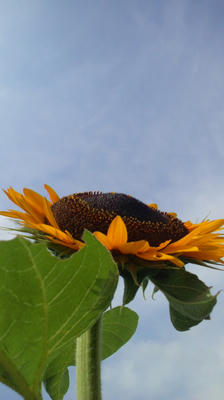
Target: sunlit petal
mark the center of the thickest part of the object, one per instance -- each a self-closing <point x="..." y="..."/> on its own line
<point x="117" y="232"/>
<point x="134" y="247"/>
<point x="49" y="215"/>
<point x="153" y="205"/>
<point x="52" y="194"/>
<point x="103" y="239"/>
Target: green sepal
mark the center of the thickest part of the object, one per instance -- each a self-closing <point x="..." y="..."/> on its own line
<point x="136" y="273"/>
<point x="155" y="290"/>
<point x="130" y="287"/>
<point x="144" y="285"/>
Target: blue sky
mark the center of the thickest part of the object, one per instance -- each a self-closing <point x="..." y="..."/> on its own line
<point x="124" y="96"/>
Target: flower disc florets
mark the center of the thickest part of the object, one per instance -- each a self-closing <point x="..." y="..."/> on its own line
<point x="95" y="211"/>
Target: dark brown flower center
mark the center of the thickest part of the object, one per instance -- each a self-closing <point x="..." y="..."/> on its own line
<point x="95" y="211"/>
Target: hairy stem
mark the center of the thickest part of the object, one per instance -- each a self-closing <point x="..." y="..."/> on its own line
<point x="88" y="359"/>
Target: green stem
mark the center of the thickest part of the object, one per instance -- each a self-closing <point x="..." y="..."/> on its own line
<point x="88" y="359"/>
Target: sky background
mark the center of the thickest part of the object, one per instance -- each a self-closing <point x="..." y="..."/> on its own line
<point x="124" y="96"/>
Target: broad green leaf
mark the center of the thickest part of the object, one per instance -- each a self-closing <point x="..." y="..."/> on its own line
<point x="45" y="304"/>
<point x="119" y="324"/>
<point x="56" y="378"/>
<point x="189" y="298"/>
<point x="181" y="322"/>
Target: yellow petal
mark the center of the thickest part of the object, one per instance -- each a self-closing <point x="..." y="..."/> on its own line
<point x="190" y="226"/>
<point x="35" y="200"/>
<point x="181" y="250"/>
<point x="163" y="245"/>
<point x="14" y="196"/>
<point x="211" y="226"/>
<point x="172" y="214"/>
<point x="64" y="237"/>
<point x="33" y="211"/>
<point x="13" y="214"/>
<point x="172" y="259"/>
<point x="117" y="232"/>
<point x="52" y="194"/>
<point x="153" y="255"/>
<point x="49" y="214"/>
<point x="134" y="247"/>
<point x="153" y="205"/>
<point x="20" y="201"/>
<point x="103" y="239"/>
<point x="71" y="245"/>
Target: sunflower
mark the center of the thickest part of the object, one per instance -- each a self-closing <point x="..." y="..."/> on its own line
<point x="123" y="224"/>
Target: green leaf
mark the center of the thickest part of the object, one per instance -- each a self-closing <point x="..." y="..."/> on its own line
<point x="45" y="304"/>
<point x="181" y="322"/>
<point x="190" y="299"/>
<point x="119" y="325"/>
<point x="56" y="379"/>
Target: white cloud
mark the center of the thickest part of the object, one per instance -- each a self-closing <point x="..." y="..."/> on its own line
<point x="188" y="367"/>
<point x="130" y="99"/>
<point x="4" y="233"/>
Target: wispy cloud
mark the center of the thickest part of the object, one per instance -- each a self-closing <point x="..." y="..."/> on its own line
<point x="151" y="369"/>
<point x="124" y="98"/>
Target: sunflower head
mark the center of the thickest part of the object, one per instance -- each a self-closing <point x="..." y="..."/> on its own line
<point x="128" y="228"/>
